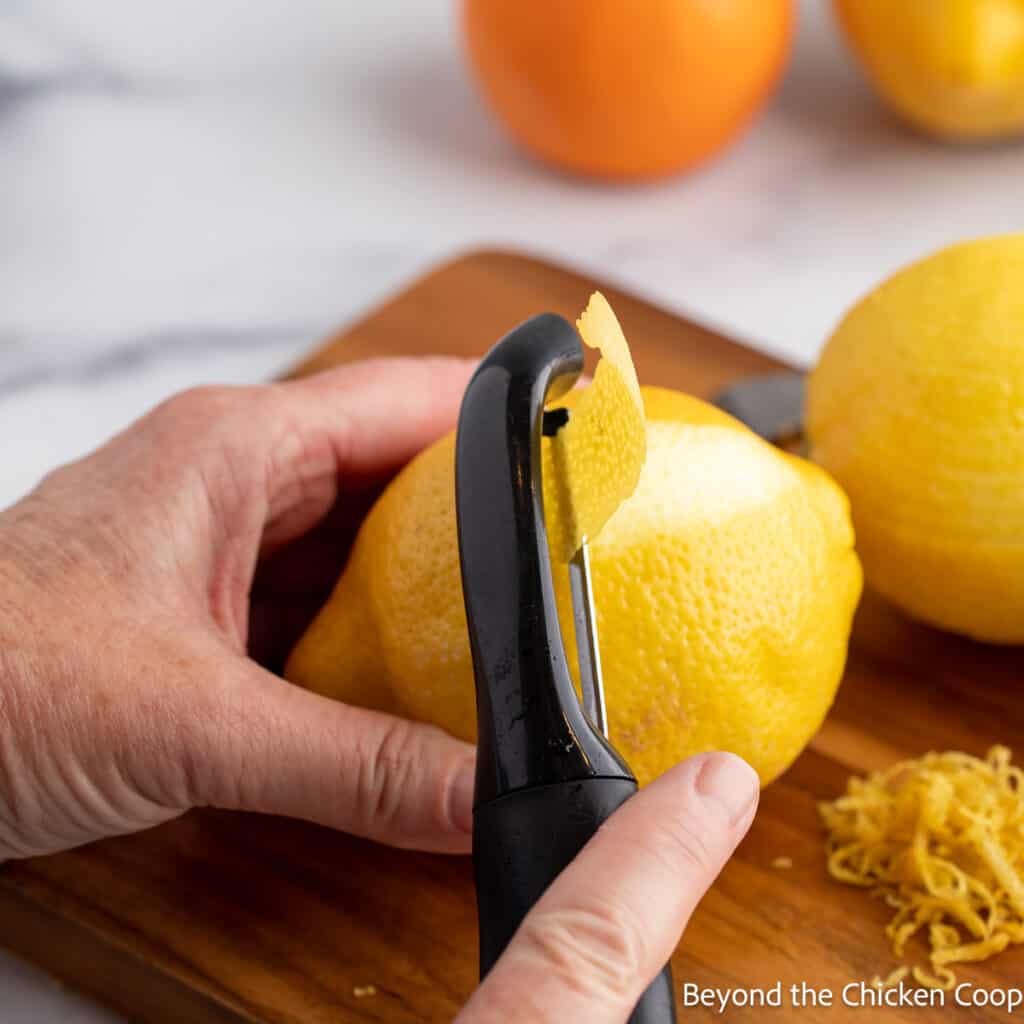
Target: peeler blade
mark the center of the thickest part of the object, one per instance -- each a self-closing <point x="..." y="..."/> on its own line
<point x="587" y="651"/>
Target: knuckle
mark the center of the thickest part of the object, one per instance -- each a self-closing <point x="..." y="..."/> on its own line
<point x="302" y="469"/>
<point x="199" y="749"/>
<point x="15" y="773"/>
<point x="597" y="950"/>
<point x="681" y="844"/>
<point x="53" y="481"/>
<point x="200" y="408"/>
<point x="216" y="431"/>
<point x="385" y="774"/>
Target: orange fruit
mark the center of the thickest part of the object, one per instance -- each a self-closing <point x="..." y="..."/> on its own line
<point x="620" y="89"/>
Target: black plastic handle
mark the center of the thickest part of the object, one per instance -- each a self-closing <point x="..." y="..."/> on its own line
<point x="546" y="778"/>
<point x="522" y="842"/>
<point x="530" y="726"/>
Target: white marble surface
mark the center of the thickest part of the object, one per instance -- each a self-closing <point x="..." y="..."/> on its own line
<point x="195" y="191"/>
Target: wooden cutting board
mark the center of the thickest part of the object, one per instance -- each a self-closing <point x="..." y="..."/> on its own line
<point x="224" y="917"/>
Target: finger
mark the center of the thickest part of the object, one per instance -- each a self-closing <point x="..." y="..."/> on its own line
<point x="357" y="424"/>
<point x="611" y="920"/>
<point x="264" y="745"/>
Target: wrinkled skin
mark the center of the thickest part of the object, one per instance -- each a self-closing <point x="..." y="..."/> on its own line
<point x="147" y="591"/>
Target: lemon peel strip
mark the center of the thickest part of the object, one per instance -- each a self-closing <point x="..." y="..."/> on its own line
<point x="593" y="463"/>
<point x="941" y="838"/>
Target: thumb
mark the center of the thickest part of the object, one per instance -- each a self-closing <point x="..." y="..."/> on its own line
<point x="610" y="921"/>
<point x="275" y="748"/>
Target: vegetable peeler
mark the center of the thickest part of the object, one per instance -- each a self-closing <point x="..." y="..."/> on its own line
<point x="546" y="776"/>
<point x="770" y="404"/>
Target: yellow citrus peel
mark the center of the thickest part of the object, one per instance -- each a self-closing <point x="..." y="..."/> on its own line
<point x="724" y="585"/>
<point x="942" y="839"/>
<point x="916" y="407"/>
<point x="593" y="463"/>
<point x="891" y="980"/>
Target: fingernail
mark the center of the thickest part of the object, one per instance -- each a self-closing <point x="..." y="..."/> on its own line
<point x="461" y="806"/>
<point x="730" y="781"/>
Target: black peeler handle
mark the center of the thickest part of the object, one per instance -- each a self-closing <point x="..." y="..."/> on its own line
<point x="522" y="842"/>
<point x="546" y="777"/>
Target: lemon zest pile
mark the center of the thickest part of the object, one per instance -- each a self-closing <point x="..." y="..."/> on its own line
<point x="891" y="980"/>
<point x="593" y="463"/>
<point x="942" y="839"/>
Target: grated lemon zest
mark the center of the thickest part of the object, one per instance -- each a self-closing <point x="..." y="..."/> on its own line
<point x="941" y="839"/>
<point x="891" y="980"/>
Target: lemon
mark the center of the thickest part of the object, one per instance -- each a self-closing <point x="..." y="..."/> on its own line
<point x="724" y="588"/>
<point x="917" y="408"/>
<point x="952" y="67"/>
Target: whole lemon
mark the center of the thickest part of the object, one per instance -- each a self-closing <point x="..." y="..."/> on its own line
<point x="917" y="408"/>
<point x="952" y="67"/>
<point x="724" y="588"/>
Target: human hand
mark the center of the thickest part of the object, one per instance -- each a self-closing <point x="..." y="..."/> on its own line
<point x="132" y="584"/>
<point x="607" y="925"/>
<point x="127" y="694"/>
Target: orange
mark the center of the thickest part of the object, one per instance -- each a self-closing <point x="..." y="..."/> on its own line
<point x="627" y="88"/>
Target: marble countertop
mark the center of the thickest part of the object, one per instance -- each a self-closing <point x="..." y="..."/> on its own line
<point x="196" y="192"/>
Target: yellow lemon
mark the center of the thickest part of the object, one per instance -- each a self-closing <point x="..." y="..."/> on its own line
<point x="724" y="587"/>
<point x="917" y="408"/>
<point x="952" y="67"/>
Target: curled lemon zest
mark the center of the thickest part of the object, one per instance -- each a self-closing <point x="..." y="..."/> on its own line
<point x="941" y="839"/>
<point x="593" y="463"/>
<point x="891" y="980"/>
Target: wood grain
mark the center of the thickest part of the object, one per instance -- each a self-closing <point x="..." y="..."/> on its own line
<point x="225" y="918"/>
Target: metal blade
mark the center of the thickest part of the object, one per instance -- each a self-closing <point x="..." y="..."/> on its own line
<point x="587" y="651"/>
<point x="771" y="404"/>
